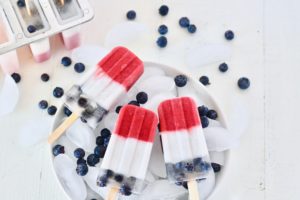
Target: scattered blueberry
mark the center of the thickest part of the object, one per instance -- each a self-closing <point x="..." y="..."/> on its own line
<point x="223" y="67"/>
<point x="131" y="15"/>
<point x="203" y="110"/>
<point x="216" y="167"/>
<point x="105" y="133"/>
<point x="118" y="108"/>
<point x="82" y="169"/>
<point x="58" y="149"/>
<point x="16" y="77"/>
<point x="244" y="83"/>
<point x="180" y="80"/>
<point x="43" y="104"/>
<point x="119" y="178"/>
<point x="163" y="29"/>
<point x="184" y="22"/>
<point x="162" y="41"/>
<point x="204" y="122"/>
<point x="21" y="3"/>
<point x="192" y="28"/>
<point x="82" y="102"/>
<point x="99" y="140"/>
<point x="66" y="61"/>
<point x="52" y="110"/>
<point x="99" y="151"/>
<point x="204" y="80"/>
<point x="31" y="29"/>
<point x="102" y="181"/>
<point x="133" y="102"/>
<point x="92" y="160"/>
<point x="109" y="173"/>
<point x="142" y="97"/>
<point x="79" y="67"/>
<point x="229" y="35"/>
<point x="81" y="161"/>
<point x="79" y="153"/>
<point x="125" y="190"/>
<point x="163" y="10"/>
<point x="45" y="77"/>
<point x="67" y="111"/>
<point x="212" y="114"/>
<point x="58" y="92"/>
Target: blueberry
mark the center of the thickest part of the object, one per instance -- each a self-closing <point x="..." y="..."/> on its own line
<point x="142" y="97"/>
<point x="102" y="181"/>
<point x="105" y="133"/>
<point x="203" y="110"/>
<point x="16" y="77"/>
<point x="66" y="61"/>
<point x="58" y="149"/>
<point x="79" y="153"/>
<point x="192" y="28"/>
<point x="43" y="104"/>
<point x="45" y="77"/>
<point x="92" y="160"/>
<point x="52" y="110"/>
<point x="180" y="80"/>
<point x="185" y="185"/>
<point x="82" y="102"/>
<point x="184" y="22"/>
<point x="109" y="173"/>
<point x="99" y="151"/>
<point x="244" y="83"/>
<point x="79" y="67"/>
<point x="133" y="102"/>
<point x="204" y="122"/>
<point x="81" y="161"/>
<point x="21" y="3"/>
<point x="106" y="141"/>
<point x="58" y="92"/>
<point x="204" y="80"/>
<point x="99" y="140"/>
<point x="162" y="41"/>
<point x="229" y="35"/>
<point x="82" y="169"/>
<point x="31" y="29"/>
<point x="212" y="114"/>
<point x="67" y="111"/>
<point x="119" y="178"/>
<point x="216" y="167"/>
<point x="223" y="67"/>
<point x="197" y="161"/>
<point x="179" y="166"/>
<point x="163" y="29"/>
<point x="163" y="10"/>
<point x="118" y="108"/>
<point x="125" y="190"/>
<point x="131" y="15"/>
<point x="189" y="167"/>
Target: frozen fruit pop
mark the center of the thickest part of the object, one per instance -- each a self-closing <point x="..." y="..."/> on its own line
<point x="102" y="88"/>
<point x="127" y="156"/>
<point x="185" y="151"/>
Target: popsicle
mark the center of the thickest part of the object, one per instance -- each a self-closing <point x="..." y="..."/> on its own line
<point x="185" y="150"/>
<point x="127" y="156"/>
<point x="101" y="88"/>
<point x="41" y="50"/>
<point x="71" y="38"/>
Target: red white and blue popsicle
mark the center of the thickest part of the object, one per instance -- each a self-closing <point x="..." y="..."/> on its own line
<point x="101" y="88"/>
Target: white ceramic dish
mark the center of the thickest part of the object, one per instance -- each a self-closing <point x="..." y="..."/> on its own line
<point x="206" y="98"/>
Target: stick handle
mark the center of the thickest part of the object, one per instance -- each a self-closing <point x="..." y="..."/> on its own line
<point x="193" y="190"/>
<point x="113" y="193"/>
<point x="61" y="129"/>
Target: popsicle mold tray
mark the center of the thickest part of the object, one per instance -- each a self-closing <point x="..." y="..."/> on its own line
<point x="25" y="21"/>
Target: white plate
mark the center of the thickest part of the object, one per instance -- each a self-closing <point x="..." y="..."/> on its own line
<point x="206" y="98"/>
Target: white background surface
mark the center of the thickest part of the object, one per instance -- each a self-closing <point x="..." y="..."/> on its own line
<point x="266" y="49"/>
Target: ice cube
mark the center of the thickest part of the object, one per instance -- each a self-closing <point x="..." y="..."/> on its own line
<point x="154" y="102"/>
<point x="189" y="91"/>
<point x="91" y="180"/>
<point x="110" y="120"/>
<point x="90" y="55"/>
<point x="219" y="139"/>
<point x="157" y="84"/>
<point x="66" y="172"/>
<point x="82" y="136"/>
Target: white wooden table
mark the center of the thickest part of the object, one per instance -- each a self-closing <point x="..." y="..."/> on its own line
<point x="266" y="50"/>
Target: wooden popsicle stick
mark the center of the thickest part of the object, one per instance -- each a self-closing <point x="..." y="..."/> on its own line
<point x="61" y="129"/>
<point x="113" y="193"/>
<point x="62" y="2"/>
<point x="27" y="2"/>
<point x="193" y="190"/>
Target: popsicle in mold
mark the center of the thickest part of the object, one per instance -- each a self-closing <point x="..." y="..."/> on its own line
<point x="127" y="156"/>
<point x="101" y="88"/>
<point x="185" y="150"/>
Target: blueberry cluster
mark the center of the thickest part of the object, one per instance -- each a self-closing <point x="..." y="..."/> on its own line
<point x="206" y="113"/>
<point x="184" y="22"/>
<point x="186" y="169"/>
